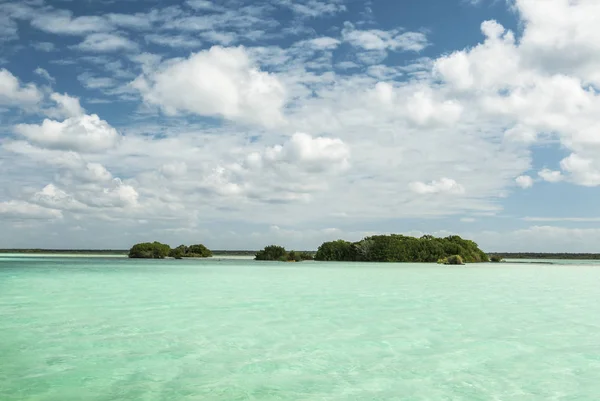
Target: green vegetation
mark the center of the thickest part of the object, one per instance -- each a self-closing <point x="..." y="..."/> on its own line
<point x="156" y="250"/>
<point x="278" y="253"/>
<point x="150" y="250"/>
<point x="400" y="248"/>
<point x="192" y="251"/>
<point x="452" y="260"/>
<point x="496" y="259"/>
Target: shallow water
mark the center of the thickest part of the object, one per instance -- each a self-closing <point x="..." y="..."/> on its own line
<point x="117" y="329"/>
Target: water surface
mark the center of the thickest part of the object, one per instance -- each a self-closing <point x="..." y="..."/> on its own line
<point x="117" y="329"/>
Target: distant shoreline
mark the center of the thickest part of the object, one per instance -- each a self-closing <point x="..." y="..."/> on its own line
<point x="542" y="255"/>
<point x="221" y="253"/>
<point x="110" y="252"/>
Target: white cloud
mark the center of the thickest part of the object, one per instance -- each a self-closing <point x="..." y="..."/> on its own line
<point x="550" y="176"/>
<point x="443" y="186"/>
<point x="177" y="41"/>
<point x="324" y="43"/>
<point x="375" y="39"/>
<point x="19" y="210"/>
<point x="62" y="22"/>
<point x="44" y="74"/>
<point x="494" y="65"/>
<point x="116" y="195"/>
<point x="562" y="38"/>
<point x="524" y="181"/>
<point x="106" y="42"/>
<point x="315" y="8"/>
<point x="54" y="198"/>
<point x="133" y="21"/>
<point x="92" y="82"/>
<point x="217" y="82"/>
<point x="424" y="110"/>
<point x="583" y="171"/>
<point x="85" y="133"/>
<point x="173" y="170"/>
<point x="312" y="154"/>
<point x="68" y="106"/>
<point x="13" y="93"/>
<point x="202" y="4"/>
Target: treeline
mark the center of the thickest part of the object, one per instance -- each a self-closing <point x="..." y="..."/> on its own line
<point x="541" y="255"/>
<point x="68" y="251"/>
<point x="157" y="250"/>
<point x="279" y="253"/>
<point x="401" y="248"/>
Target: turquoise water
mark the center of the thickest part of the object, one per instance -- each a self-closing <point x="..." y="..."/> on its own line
<point x="115" y="329"/>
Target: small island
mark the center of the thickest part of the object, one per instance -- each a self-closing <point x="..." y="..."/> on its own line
<point x="157" y="250"/>
<point x="400" y="248"/>
<point x="278" y="253"/>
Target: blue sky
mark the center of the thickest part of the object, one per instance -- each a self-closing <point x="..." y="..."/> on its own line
<point x="244" y="123"/>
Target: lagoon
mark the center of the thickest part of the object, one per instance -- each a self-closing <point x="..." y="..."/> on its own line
<point x="106" y="328"/>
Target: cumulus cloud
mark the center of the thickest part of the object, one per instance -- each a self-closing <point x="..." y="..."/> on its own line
<point x="220" y="82"/>
<point x="442" y="186"/>
<point x="68" y="106"/>
<point x="13" y="93"/>
<point x="54" y="198"/>
<point x="562" y="39"/>
<point x="423" y="109"/>
<point x="550" y="176"/>
<point x="583" y="171"/>
<point x="85" y="133"/>
<point x="313" y="154"/>
<point x="524" y="181"/>
<point x="117" y="194"/>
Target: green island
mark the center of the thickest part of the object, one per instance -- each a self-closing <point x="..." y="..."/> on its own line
<point x="157" y="250"/>
<point x="400" y="248"/>
<point x="278" y="253"/>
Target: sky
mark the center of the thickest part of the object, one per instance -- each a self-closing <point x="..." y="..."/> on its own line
<point x="244" y="123"/>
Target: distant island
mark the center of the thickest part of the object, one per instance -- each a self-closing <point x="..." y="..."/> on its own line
<point x="452" y="250"/>
<point x="157" y="250"/>
<point x="278" y="253"/>
<point x="400" y="248"/>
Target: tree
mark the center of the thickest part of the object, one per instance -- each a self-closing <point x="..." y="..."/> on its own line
<point x="192" y="251"/>
<point x="275" y="252"/>
<point x="198" y="251"/>
<point x="150" y="250"/>
<point x="339" y="250"/>
<point x="272" y="252"/>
